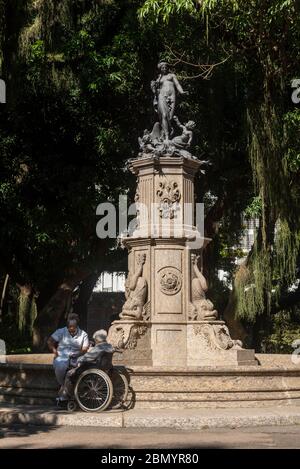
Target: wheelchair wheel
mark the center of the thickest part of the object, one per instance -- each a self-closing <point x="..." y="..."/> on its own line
<point x="93" y="390"/>
<point x="72" y="406"/>
<point x="120" y="389"/>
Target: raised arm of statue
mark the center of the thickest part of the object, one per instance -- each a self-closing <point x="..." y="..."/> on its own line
<point x="199" y="275"/>
<point x="178" y="85"/>
<point x="139" y="272"/>
<point x="175" y="118"/>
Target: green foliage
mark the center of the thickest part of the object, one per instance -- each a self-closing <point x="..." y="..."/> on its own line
<point x="254" y="209"/>
<point x="284" y="332"/>
<point x="253" y="298"/>
<point x="37" y="52"/>
<point x="17" y="340"/>
<point x="75" y="77"/>
<point x="164" y="9"/>
<point x="292" y="135"/>
<point x="287" y="245"/>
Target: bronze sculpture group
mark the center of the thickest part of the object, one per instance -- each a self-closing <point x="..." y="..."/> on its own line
<point x="162" y="139"/>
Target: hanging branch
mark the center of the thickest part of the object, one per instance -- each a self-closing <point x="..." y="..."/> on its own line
<point x="205" y="70"/>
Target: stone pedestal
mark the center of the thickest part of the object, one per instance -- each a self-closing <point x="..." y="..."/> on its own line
<point x="29" y="379"/>
<point x="166" y="320"/>
<point x="214" y="345"/>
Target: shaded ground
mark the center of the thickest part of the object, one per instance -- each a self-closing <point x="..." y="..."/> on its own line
<point x="28" y="436"/>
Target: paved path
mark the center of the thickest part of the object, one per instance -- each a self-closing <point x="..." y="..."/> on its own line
<point x="187" y="419"/>
<point x="33" y="437"/>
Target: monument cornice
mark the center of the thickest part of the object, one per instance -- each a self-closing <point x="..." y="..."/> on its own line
<point x="151" y="164"/>
<point x="155" y="241"/>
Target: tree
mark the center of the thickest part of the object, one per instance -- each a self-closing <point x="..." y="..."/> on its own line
<point x="65" y="136"/>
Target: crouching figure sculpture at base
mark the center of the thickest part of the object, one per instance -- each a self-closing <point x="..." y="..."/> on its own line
<point x="135" y="292"/>
<point x="203" y="309"/>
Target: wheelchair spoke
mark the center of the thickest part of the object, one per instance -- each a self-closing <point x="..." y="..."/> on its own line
<point x="93" y="391"/>
<point x="120" y="389"/>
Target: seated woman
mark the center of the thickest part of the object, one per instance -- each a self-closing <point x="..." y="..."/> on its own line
<point x="92" y="356"/>
<point x="67" y="344"/>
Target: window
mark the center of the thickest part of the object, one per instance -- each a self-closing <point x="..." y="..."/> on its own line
<point x="110" y="282"/>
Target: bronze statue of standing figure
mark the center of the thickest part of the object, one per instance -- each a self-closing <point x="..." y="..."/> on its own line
<point x="162" y="139"/>
<point x="165" y="88"/>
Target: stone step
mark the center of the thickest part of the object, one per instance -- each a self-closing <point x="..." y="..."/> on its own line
<point x="30" y="380"/>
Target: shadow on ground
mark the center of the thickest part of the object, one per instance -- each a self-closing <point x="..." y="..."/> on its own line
<point x="24" y="430"/>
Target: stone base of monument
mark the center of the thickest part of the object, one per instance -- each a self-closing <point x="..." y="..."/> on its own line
<point x="213" y="387"/>
<point x="133" y="338"/>
<point x="29" y="379"/>
<point x="209" y="344"/>
<point x="183" y="344"/>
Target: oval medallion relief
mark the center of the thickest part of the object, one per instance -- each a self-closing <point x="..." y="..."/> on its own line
<point x="170" y="280"/>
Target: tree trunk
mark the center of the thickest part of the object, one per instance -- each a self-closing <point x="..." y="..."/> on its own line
<point x="24" y="307"/>
<point x="212" y="222"/>
<point x="56" y="310"/>
<point x="236" y="328"/>
<point x="80" y="306"/>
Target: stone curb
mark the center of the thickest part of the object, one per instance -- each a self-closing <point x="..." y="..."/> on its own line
<point x="203" y="422"/>
<point x="191" y="419"/>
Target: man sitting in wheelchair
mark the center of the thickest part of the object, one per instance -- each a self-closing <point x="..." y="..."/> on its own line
<point x="92" y="356"/>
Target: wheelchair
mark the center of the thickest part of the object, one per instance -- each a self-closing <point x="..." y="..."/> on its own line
<point x="99" y="386"/>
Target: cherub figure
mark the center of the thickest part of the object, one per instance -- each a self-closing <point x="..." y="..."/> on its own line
<point x="146" y="144"/>
<point x="184" y="140"/>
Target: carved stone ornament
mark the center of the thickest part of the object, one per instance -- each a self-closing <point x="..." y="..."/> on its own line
<point x="200" y="308"/>
<point x="126" y="336"/>
<point x="169" y="196"/>
<point x="217" y="336"/>
<point x="147" y="311"/>
<point x="192" y="312"/>
<point x="137" y="193"/>
<point x="170" y="280"/>
<point x="137" y="203"/>
<point x="136" y="288"/>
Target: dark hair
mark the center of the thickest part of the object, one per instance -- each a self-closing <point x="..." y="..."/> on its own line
<point x="72" y="317"/>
